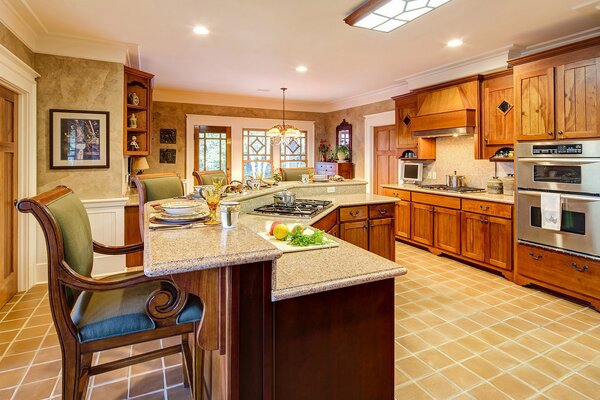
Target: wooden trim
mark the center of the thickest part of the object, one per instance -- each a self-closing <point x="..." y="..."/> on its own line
<point x="555" y="51"/>
<point x="498" y="74"/>
<point x="455" y="82"/>
<point x="363" y="10"/>
<point x="140" y="358"/>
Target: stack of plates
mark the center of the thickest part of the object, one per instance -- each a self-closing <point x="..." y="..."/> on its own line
<point x="320" y="178"/>
<point x="181" y="212"/>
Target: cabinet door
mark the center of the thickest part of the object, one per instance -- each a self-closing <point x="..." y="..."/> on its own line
<point x="578" y="99"/>
<point x="422" y="223"/>
<point x="446" y="225"/>
<point x="356" y="233"/>
<point x="334" y="231"/>
<point x="381" y="237"/>
<point x="534" y="104"/>
<point x="474" y="232"/>
<point x="498" y="111"/>
<point x="500" y="242"/>
<point x="132" y="235"/>
<point x="403" y="219"/>
<point x="404" y="115"/>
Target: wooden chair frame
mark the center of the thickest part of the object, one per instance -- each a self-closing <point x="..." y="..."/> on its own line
<point x="198" y="175"/>
<point x="162" y="306"/>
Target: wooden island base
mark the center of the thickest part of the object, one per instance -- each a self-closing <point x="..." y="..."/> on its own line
<point x="337" y="344"/>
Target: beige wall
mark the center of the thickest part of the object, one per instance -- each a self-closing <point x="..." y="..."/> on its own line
<point x="173" y="115"/>
<point x="77" y="84"/>
<point x="16" y="46"/>
<point x="355" y="116"/>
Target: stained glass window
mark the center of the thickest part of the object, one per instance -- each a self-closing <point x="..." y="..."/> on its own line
<point x="211" y="148"/>
<point x="257" y="157"/>
<point x="293" y="153"/>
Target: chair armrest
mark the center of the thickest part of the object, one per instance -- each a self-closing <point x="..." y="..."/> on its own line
<point x="73" y="280"/>
<point x="117" y="250"/>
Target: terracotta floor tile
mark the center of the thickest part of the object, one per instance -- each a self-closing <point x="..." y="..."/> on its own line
<point x="172" y="360"/>
<point x="160" y="395"/>
<point x="500" y="359"/>
<point x="534" y="344"/>
<point x="455" y="351"/>
<point x="11" y="378"/>
<point x="32" y="332"/>
<point x="486" y="391"/>
<point x="43" y="371"/>
<point x="147" y="366"/>
<point x="113" y="391"/>
<point x="411" y="391"/>
<point x="413" y="367"/>
<point x="49" y="354"/>
<point x="591" y="372"/>
<point x="8" y="336"/>
<point x="413" y="343"/>
<point x="107" y="377"/>
<point x="473" y="344"/>
<point x="490" y="337"/>
<point x="26" y="305"/>
<point x="12" y="325"/>
<point x="399" y="377"/>
<point x="49" y="341"/>
<point x="513" y="387"/>
<point x="549" y="367"/>
<point x="435" y="359"/>
<point x="147" y="383"/>
<point x="174" y="376"/>
<point x="433" y="337"/>
<point x="583" y="385"/>
<point x="461" y="377"/>
<point x="35" y="390"/>
<point x="563" y="392"/>
<point x="438" y="386"/>
<point x="517" y="351"/>
<point x="564" y="358"/>
<point x="23" y="346"/>
<point x="532" y="376"/>
<point x="481" y="367"/>
<point x="179" y="393"/>
<point x="6" y="394"/>
<point x="16" y="361"/>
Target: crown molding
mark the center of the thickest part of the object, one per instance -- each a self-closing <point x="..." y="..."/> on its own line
<point x="562" y="41"/>
<point x="373" y="96"/>
<point x="16" y="23"/>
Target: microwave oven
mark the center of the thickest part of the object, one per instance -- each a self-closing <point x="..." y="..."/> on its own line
<point x="410" y="172"/>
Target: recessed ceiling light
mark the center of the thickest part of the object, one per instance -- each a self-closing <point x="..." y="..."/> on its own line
<point x="387" y="15"/>
<point x="200" y="30"/>
<point x="301" y="68"/>
<point x="455" y="43"/>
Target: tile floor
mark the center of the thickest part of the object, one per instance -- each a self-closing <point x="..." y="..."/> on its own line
<point x="461" y="333"/>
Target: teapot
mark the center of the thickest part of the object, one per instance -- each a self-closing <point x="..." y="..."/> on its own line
<point x="134" y="99"/>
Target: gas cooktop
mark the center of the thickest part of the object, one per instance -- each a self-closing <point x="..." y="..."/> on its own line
<point x="445" y="188"/>
<point x="300" y="209"/>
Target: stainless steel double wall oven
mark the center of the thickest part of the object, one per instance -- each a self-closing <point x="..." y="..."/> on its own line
<point x="571" y="169"/>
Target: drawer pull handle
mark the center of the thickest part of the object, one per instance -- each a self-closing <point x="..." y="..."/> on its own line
<point x="365" y="227"/>
<point x="382" y="211"/>
<point x="484" y="208"/>
<point x="579" y="269"/>
<point x="354" y="213"/>
<point x="534" y="256"/>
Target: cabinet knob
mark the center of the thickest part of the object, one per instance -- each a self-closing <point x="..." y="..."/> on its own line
<point x="382" y="211"/>
<point x="365" y="227"/>
<point x="354" y="213"/>
<point x="579" y="269"/>
<point x="560" y="132"/>
<point x="550" y="133"/>
<point x="534" y="256"/>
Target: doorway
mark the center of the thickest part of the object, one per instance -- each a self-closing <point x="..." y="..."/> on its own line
<point x="212" y="149"/>
<point x="385" y="157"/>
<point x="8" y="194"/>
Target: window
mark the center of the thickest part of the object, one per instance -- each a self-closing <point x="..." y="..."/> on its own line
<point x="257" y="157"/>
<point x="212" y="148"/>
<point x="293" y="153"/>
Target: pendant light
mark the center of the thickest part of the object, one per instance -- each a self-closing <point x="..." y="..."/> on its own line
<point x="283" y="132"/>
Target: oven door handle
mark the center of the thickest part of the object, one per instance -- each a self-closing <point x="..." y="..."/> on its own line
<point x="562" y="195"/>
<point x="560" y="160"/>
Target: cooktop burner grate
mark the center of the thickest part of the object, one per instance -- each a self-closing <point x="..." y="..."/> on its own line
<point x="302" y="208"/>
<point x="445" y="188"/>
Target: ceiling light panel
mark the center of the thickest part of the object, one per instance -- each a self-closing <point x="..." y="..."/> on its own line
<point x="385" y="16"/>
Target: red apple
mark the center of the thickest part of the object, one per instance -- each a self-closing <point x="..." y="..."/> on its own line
<point x="273" y="225"/>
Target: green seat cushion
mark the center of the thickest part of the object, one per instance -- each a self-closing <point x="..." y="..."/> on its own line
<point x="294" y="174"/>
<point x="99" y="315"/>
<point x="206" y="179"/>
<point x="164" y="187"/>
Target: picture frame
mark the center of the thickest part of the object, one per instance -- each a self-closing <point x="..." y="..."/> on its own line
<point x="79" y="139"/>
<point x="168" y="136"/>
<point x="168" y="156"/>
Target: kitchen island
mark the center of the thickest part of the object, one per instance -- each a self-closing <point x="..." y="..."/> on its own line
<point x="307" y="325"/>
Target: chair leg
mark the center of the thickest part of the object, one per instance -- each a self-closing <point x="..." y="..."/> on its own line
<point x="86" y="363"/>
<point x="71" y="371"/>
<point x="187" y="361"/>
<point x="198" y="374"/>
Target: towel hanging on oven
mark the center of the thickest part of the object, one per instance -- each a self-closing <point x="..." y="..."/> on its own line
<point x="551" y="211"/>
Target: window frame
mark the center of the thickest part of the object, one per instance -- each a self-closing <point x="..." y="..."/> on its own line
<point x="267" y="145"/>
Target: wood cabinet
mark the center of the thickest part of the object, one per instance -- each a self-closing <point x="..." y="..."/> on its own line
<point x="132" y="235"/>
<point x="565" y="273"/>
<point x="487" y="239"/>
<point x="356" y="233"/>
<point x="498" y="112"/>
<point x="406" y="111"/>
<point x="446" y="228"/>
<point x="403" y="219"/>
<point x="381" y="237"/>
<point x="346" y="170"/>
<point x="473" y="238"/>
<point x="137" y="103"/>
<point x="557" y="93"/>
<point x="422" y="223"/>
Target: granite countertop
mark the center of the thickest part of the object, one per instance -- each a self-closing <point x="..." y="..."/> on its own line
<point x="305" y="272"/>
<point x="497" y="198"/>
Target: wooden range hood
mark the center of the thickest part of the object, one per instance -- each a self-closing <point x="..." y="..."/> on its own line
<point x="446" y="111"/>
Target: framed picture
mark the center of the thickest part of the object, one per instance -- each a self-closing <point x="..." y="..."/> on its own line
<point x="168" y="156"/>
<point x="79" y="139"/>
<point x="168" y="136"/>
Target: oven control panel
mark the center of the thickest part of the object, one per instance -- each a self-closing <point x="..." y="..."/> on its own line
<point x="557" y="149"/>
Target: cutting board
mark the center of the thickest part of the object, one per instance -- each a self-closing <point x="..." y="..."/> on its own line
<point x="287" y="248"/>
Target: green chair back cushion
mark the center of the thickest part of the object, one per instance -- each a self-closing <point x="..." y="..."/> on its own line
<point x="164" y="187"/>
<point x="104" y="314"/>
<point x="206" y="179"/>
<point x="74" y="224"/>
<point x="294" y="174"/>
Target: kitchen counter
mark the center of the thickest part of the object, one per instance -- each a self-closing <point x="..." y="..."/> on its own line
<point x="294" y="274"/>
<point x="497" y="198"/>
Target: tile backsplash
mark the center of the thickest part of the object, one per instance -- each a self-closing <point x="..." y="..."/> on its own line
<point x="457" y="154"/>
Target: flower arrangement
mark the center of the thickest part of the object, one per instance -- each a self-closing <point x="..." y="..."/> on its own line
<point x="323" y="149"/>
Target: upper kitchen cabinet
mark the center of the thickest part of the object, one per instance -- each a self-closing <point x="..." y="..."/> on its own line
<point x="497" y="111"/>
<point x="406" y="143"/>
<point x="557" y="93"/>
<point x="137" y="112"/>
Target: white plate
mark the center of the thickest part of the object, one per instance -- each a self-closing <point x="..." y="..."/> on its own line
<point x="181" y="217"/>
<point x="180" y="207"/>
<point x="320" y="178"/>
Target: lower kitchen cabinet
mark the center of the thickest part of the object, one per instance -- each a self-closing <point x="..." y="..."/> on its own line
<point x="356" y="233"/>
<point x="487" y="239"/>
<point x="500" y="242"/>
<point x="446" y="226"/>
<point x="473" y="241"/>
<point x="422" y="223"/>
<point x="334" y="231"/>
<point x="381" y="237"/>
<point x="403" y="219"/>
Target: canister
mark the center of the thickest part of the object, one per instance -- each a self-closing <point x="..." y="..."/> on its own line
<point x="494" y="186"/>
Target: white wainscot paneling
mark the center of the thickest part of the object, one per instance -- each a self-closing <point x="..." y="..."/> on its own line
<point x="107" y="219"/>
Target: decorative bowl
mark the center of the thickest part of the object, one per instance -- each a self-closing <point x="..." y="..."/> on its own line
<point x="180" y="207"/>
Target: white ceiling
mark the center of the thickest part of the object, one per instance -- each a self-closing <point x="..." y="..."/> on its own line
<point x="256" y="44"/>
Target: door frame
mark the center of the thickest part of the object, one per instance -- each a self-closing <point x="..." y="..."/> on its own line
<point x="21" y="79"/>
<point x="371" y="121"/>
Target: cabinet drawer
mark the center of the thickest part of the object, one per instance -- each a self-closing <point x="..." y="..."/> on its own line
<point x="436" y="200"/>
<point x="382" y="210"/>
<point x="354" y="213"/>
<point x="325" y="168"/>
<point x="401" y="194"/>
<point x="488" y="208"/>
<point x="576" y="274"/>
<point x="327" y="222"/>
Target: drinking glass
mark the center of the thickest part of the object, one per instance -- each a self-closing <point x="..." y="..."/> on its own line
<point x="217" y="182"/>
<point x="304" y="178"/>
<point x="213" y="197"/>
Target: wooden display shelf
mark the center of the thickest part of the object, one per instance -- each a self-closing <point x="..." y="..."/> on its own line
<point x="137" y="130"/>
<point x="502" y="159"/>
<point x="138" y="107"/>
<point x="140" y="83"/>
